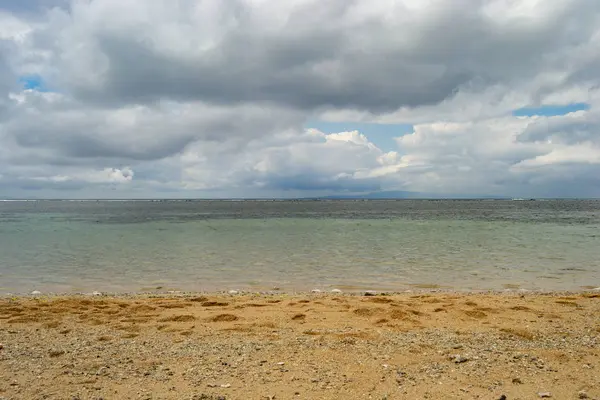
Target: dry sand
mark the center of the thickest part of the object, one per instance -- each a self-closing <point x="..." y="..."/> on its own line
<point x="301" y="346"/>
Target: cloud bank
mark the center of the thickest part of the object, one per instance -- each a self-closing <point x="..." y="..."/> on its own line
<point x="181" y="98"/>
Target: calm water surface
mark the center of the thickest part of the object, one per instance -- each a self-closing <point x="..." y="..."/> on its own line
<point x="69" y="246"/>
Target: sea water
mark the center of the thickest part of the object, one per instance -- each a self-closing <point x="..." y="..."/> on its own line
<point x="209" y="245"/>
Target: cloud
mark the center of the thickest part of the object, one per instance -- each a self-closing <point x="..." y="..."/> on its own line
<point x="574" y="128"/>
<point x="71" y="131"/>
<point x="371" y="56"/>
<point x="534" y="156"/>
<point x="305" y="160"/>
<point x="108" y="175"/>
<point x="203" y="97"/>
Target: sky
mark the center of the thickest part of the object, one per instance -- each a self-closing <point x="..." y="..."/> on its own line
<point x="299" y="98"/>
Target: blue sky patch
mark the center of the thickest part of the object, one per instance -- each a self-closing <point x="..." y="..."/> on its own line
<point x="550" y="110"/>
<point x="33" y="82"/>
<point x="382" y="135"/>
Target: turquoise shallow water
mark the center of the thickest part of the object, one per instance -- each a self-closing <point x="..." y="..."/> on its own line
<point x="382" y="245"/>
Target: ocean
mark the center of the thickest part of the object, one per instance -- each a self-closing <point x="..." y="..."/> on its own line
<point x="212" y="245"/>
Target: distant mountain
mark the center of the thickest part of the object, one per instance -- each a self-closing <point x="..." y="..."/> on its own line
<point x="399" y="194"/>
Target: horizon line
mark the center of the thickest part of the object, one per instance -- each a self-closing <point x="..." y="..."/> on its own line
<point x="316" y="198"/>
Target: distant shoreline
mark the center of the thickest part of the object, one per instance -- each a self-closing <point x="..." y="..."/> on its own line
<point x="314" y="199"/>
<point x="321" y="293"/>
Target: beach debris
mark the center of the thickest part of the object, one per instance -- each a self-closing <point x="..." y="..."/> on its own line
<point x="226" y="385"/>
<point x="315" y="291"/>
<point x="55" y="353"/>
<point x="583" y="395"/>
<point x="458" y="359"/>
<point x="336" y="291"/>
<point x="545" y="394"/>
<point x="233" y="292"/>
<point x="517" y="381"/>
<point x="370" y="293"/>
<point x="96" y="293"/>
<point x="400" y="376"/>
<point x="205" y="396"/>
<point x="36" y="293"/>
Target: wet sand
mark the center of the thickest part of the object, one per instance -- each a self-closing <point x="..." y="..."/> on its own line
<point x="301" y="346"/>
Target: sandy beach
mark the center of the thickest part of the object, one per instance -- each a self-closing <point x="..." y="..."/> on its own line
<point x="301" y="346"/>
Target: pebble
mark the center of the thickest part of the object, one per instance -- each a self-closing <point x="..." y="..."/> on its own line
<point x="226" y="385"/>
<point x="370" y="293"/>
<point x="36" y="293"/>
<point x="280" y="363"/>
<point x="96" y="293"/>
<point x="400" y="375"/>
<point x="336" y="291"/>
<point x="544" y="394"/>
<point x="458" y="359"/>
<point x="233" y="292"/>
<point x="503" y="397"/>
<point x="315" y="291"/>
<point x="582" y="395"/>
<point x="1" y="346"/>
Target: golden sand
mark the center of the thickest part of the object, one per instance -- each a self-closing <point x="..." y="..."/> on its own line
<point x="302" y="346"/>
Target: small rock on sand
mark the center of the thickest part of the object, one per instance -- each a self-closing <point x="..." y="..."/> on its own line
<point x="36" y="293"/>
<point x="545" y="394"/>
<point x="96" y="293"/>
<point x="458" y="359"/>
<point x="336" y="291"/>
<point x="315" y="291"/>
<point x="233" y="292"/>
<point x="400" y="376"/>
<point x="583" y="395"/>
<point x="370" y="293"/>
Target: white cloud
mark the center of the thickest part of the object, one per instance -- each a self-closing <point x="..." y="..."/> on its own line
<point x="309" y="159"/>
<point x="107" y="175"/>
